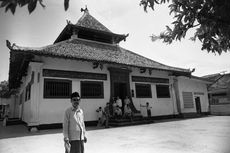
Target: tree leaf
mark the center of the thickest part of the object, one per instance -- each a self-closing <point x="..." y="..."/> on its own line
<point x="40" y="1"/>
<point x="32" y="5"/>
<point x="22" y="3"/>
<point x="4" y="3"/>
<point x="7" y="7"/>
<point x="66" y="4"/>
<point x="13" y="8"/>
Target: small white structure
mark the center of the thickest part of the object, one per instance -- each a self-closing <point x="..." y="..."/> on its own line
<point x="192" y="95"/>
<point x="11" y="101"/>
<point x="86" y="57"/>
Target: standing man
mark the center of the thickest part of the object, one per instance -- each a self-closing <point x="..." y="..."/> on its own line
<point x="148" y="108"/>
<point x="74" y="126"/>
<point x="100" y="116"/>
<point x="107" y="115"/>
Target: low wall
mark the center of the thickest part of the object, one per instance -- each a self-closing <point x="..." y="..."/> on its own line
<point x="220" y="109"/>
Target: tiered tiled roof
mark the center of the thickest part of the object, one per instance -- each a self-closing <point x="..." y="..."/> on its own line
<point x="88" y="23"/>
<point x="94" y="51"/>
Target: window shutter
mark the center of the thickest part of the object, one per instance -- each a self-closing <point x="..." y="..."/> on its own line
<point x="188" y="99"/>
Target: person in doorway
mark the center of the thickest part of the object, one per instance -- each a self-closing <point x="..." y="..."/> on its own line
<point x="1" y="112"/>
<point x="114" y="107"/>
<point x="126" y="100"/>
<point x="118" y="112"/>
<point x="128" y="112"/>
<point x="74" y="126"/>
<point x="100" y="116"/>
<point x="148" y="108"/>
<point x="119" y="103"/>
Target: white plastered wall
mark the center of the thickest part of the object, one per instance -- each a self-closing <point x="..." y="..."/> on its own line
<point x="52" y="110"/>
<point x="160" y="106"/>
<point x="195" y="86"/>
<point x="25" y="106"/>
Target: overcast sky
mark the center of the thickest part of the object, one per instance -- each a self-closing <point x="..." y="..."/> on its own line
<point x="43" y="26"/>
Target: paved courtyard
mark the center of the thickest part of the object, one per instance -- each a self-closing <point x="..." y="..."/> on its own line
<point x="200" y="135"/>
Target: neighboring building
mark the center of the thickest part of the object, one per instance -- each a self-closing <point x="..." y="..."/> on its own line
<point x="86" y="57"/>
<point x="219" y="93"/>
<point x="7" y="98"/>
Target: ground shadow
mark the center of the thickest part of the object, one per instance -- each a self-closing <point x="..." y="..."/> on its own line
<point x="13" y="131"/>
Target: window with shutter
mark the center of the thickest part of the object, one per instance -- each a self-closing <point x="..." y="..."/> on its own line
<point x="188" y="99"/>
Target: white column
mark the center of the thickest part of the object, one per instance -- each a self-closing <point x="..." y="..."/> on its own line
<point x="36" y="68"/>
<point x="173" y="95"/>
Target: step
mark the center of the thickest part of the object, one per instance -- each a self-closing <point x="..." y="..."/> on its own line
<point x="190" y="115"/>
<point x="117" y="124"/>
<point x="135" y="118"/>
<point x="14" y="121"/>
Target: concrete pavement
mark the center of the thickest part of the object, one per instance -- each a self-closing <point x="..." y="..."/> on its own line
<point x="200" y="135"/>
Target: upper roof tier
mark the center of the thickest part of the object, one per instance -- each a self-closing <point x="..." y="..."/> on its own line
<point x="88" y="21"/>
<point x="88" y="27"/>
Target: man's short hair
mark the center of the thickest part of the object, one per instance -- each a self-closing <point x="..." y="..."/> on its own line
<point x="75" y="94"/>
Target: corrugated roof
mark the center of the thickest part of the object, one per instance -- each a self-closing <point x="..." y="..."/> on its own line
<point x="221" y="81"/>
<point x="93" y="51"/>
<point x="212" y="77"/>
<point x="88" y="21"/>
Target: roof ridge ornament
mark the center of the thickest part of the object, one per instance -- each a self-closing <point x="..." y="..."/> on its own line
<point x="68" y="22"/>
<point x="85" y="10"/>
<point x="8" y="44"/>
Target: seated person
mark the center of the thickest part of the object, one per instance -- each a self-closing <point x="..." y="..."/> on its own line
<point x="114" y="107"/>
<point x="127" y="110"/>
<point x="119" y="102"/>
<point x="126" y="100"/>
<point x="118" y="112"/>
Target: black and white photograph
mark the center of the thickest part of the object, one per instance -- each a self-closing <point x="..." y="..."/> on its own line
<point x="114" y="76"/>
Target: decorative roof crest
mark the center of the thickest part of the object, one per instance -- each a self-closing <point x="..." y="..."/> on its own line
<point x="85" y="10"/>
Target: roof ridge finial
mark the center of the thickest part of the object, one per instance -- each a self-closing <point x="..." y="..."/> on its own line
<point x="85" y="10"/>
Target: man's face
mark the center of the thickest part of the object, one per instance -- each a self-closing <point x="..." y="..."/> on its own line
<point x="75" y="101"/>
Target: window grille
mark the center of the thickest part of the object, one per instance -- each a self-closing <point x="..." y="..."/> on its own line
<point x="57" y="88"/>
<point x="162" y="91"/>
<point x="92" y="89"/>
<point x="143" y="90"/>
<point x="219" y="94"/>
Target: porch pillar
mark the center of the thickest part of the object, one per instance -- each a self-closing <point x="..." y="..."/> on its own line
<point x="177" y="94"/>
<point x="173" y="95"/>
<point x="35" y="93"/>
